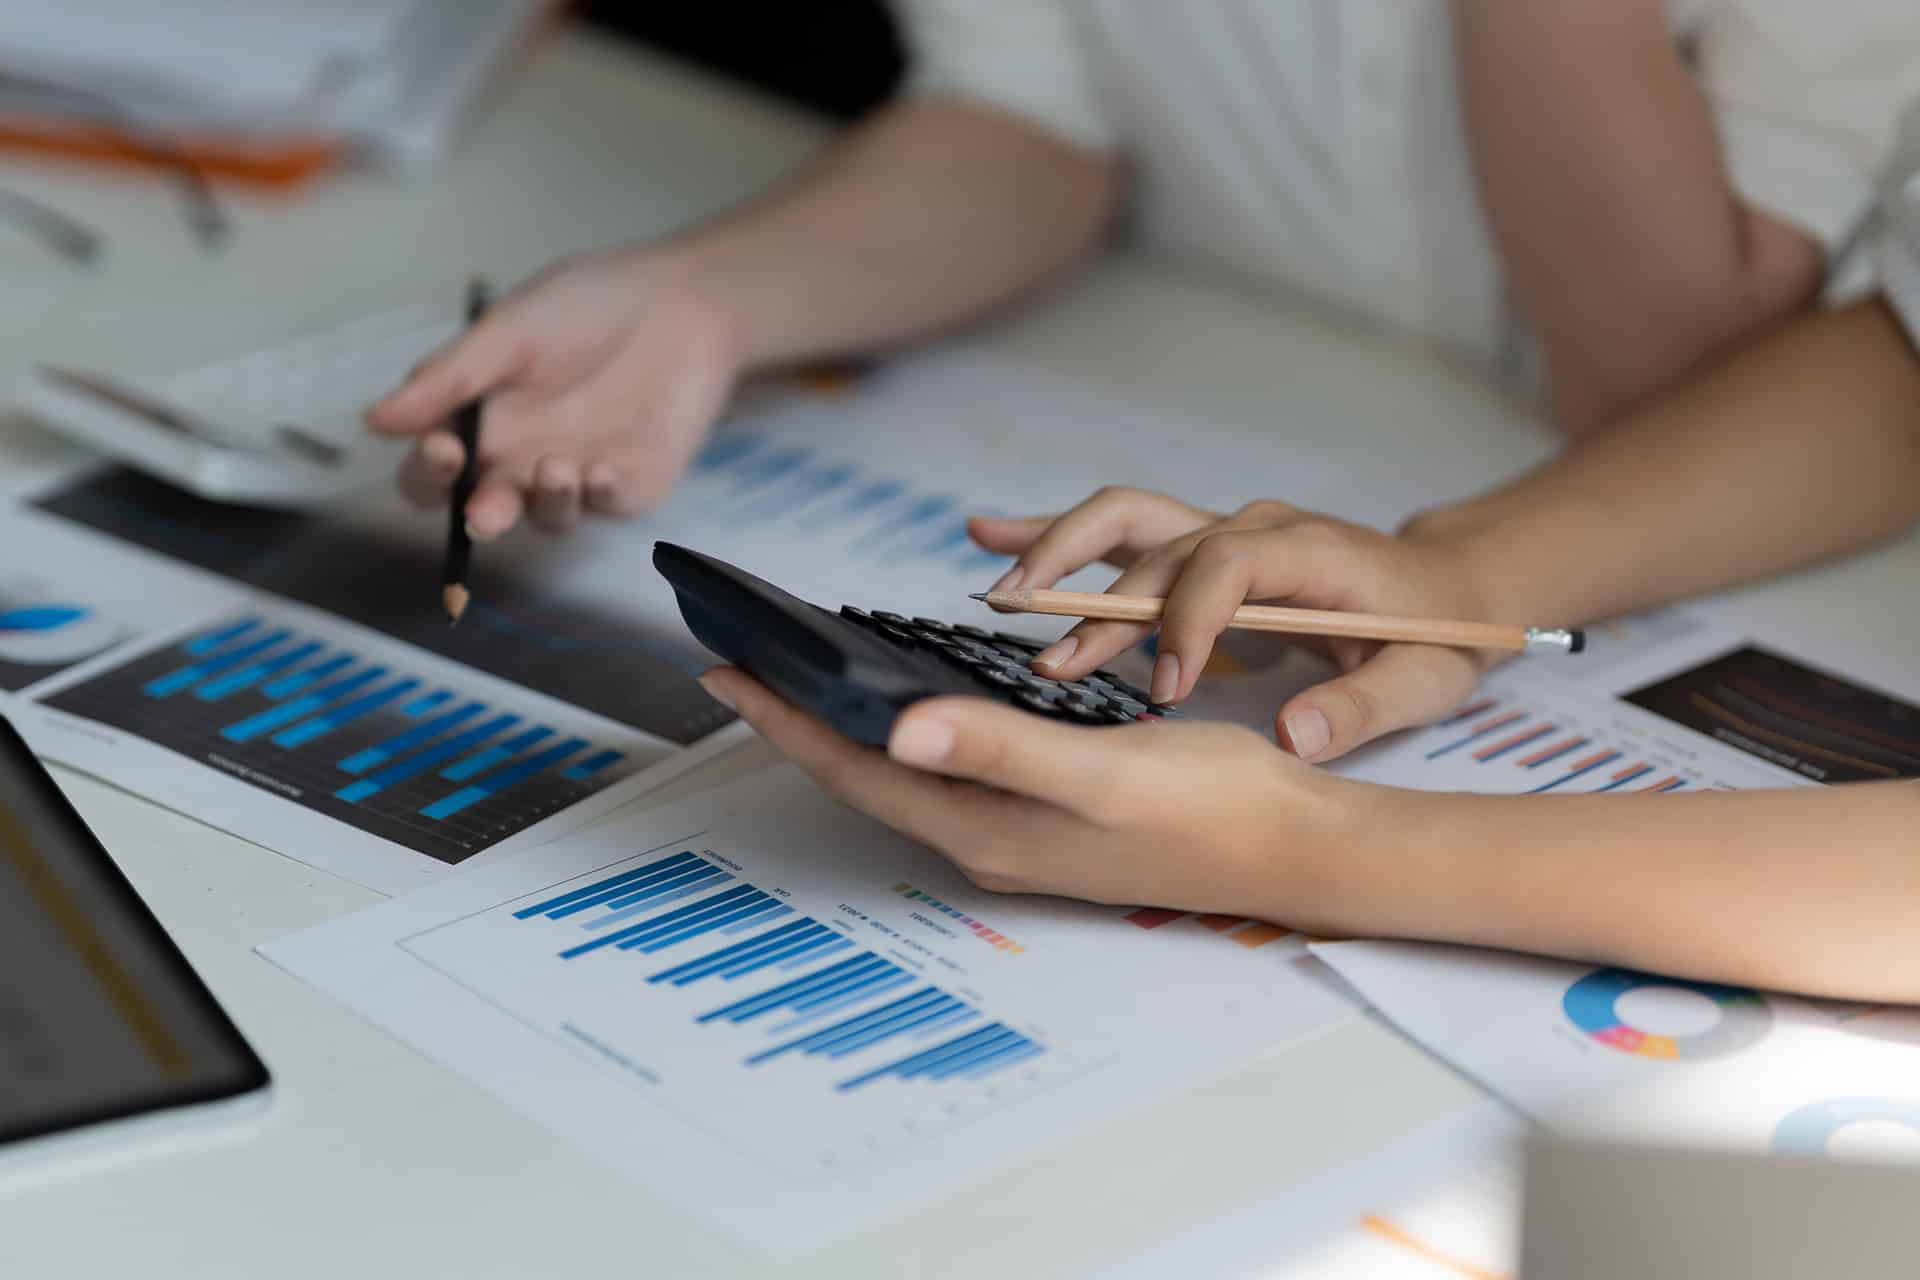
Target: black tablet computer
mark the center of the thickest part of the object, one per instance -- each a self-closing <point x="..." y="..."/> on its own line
<point x="106" y="1034"/>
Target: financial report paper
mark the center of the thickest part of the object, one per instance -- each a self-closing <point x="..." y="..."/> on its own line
<point x="1627" y="1055"/>
<point x="289" y="676"/>
<point x="795" y="1024"/>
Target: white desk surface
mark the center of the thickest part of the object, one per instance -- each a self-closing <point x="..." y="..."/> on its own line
<point x="379" y="1162"/>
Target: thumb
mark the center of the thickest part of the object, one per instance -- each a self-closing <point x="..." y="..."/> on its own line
<point x="488" y="355"/>
<point x="1059" y="764"/>
<point x="1008" y="535"/>
<point x="1403" y="685"/>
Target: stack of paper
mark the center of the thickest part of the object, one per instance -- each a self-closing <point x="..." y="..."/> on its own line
<point x="386" y="78"/>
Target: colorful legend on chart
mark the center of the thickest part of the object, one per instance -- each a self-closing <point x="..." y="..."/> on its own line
<point x="353" y="735"/>
<point x="986" y="933"/>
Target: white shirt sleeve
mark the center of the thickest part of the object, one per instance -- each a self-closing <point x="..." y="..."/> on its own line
<point x="1898" y="252"/>
<point x="1808" y="98"/>
<point x="1025" y="57"/>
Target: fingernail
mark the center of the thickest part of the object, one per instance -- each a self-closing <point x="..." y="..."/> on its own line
<point x="1011" y="579"/>
<point x="1308" y="732"/>
<point x="921" y="741"/>
<point x="1166" y="678"/>
<point x="717" y="694"/>
<point x="1057" y="653"/>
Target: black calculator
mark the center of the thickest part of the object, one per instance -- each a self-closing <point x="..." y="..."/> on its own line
<point x="857" y="670"/>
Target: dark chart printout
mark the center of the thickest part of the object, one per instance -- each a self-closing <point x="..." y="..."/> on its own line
<point x="355" y="737"/>
<point x="1793" y="716"/>
<point x="578" y="651"/>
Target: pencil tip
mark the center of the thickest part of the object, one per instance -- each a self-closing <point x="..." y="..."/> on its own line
<point x="456" y="598"/>
<point x="978" y="595"/>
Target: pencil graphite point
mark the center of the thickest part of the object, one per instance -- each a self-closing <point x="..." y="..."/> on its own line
<point x="456" y="598"/>
<point x="978" y="595"/>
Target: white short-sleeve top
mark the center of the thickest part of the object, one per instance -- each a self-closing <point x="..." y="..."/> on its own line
<point x="1898" y="239"/>
<point x="1317" y="144"/>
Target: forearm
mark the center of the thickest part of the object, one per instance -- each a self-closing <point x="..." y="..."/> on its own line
<point x="1600" y="167"/>
<point x="923" y="218"/>
<point x="1815" y="890"/>
<point x="1802" y="446"/>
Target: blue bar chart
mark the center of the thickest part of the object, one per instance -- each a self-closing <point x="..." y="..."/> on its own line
<point x="392" y="751"/>
<point x="759" y="481"/>
<point x="817" y="994"/>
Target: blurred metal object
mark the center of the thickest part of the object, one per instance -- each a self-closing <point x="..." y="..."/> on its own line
<point x="65" y="236"/>
<point x="32" y="95"/>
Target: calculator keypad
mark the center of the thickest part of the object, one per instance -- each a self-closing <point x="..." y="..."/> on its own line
<point x="1001" y="664"/>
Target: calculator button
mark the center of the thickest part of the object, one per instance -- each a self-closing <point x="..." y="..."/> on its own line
<point x="893" y="618"/>
<point x="932" y="624"/>
<point x="998" y="678"/>
<point x="1034" y="702"/>
<point x="978" y="633"/>
<point x="1019" y="642"/>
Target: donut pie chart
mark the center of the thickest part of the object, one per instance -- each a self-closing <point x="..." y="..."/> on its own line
<point x="46" y="634"/>
<point x="1809" y="1130"/>
<point x="1592" y="1005"/>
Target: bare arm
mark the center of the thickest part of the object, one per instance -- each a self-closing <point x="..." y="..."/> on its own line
<point x="1750" y="887"/>
<point x="1627" y="248"/>
<point x="603" y="374"/>
<point x="927" y="216"/>
<point x="1804" y="445"/>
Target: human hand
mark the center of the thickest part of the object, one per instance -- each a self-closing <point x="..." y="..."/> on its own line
<point x="1207" y="565"/>
<point x="1201" y="817"/>
<point x="602" y="375"/>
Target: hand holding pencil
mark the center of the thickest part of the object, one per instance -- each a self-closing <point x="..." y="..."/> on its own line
<point x="454" y="595"/>
<point x="1192" y="573"/>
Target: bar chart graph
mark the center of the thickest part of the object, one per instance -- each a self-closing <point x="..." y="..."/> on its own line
<point x="760" y="481"/>
<point x="348" y="731"/>
<point x="847" y="1007"/>
<point x="1508" y="744"/>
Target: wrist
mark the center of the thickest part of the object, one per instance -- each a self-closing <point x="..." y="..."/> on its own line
<point x="684" y="273"/>
<point x="1408" y="864"/>
<point x="1487" y="565"/>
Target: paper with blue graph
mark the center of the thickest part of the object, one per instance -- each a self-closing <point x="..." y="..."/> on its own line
<point x="289" y="676"/>
<point x="791" y="1021"/>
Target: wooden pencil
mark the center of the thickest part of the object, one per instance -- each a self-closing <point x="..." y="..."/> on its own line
<point x="1301" y="622"/>
<point x="466" y="425"/>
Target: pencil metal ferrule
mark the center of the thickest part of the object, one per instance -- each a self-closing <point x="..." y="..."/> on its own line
<point x="1555" y="640"/>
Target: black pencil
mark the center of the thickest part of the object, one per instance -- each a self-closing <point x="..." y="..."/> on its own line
<point x="466" y="425"/>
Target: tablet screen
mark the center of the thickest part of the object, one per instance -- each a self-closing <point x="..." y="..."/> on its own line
<point x="100" y="1017"/>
